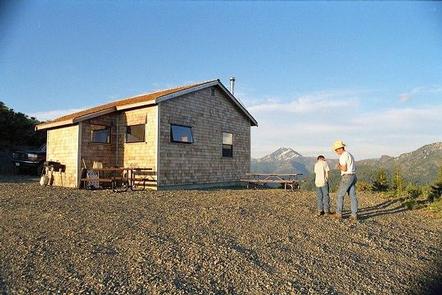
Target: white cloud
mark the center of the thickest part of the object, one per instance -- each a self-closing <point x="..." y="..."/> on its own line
<point x="369" y="134"/>
<point x="50" y="115"/>
<point x="419" y="91"/>
<point x="317" y="102"/>
<point x="401" y="118"/>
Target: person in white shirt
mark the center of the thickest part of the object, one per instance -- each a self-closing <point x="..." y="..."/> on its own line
<point x="322" y="188"/>
<point x="348" y="180"/>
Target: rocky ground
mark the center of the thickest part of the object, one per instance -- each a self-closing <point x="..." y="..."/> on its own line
<point x="209" y="242"/>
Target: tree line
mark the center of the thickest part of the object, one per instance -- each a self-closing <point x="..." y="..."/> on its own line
<point x="18" y="129"/>
<point x="395" y="185"/>
<point x="391" y="183"/>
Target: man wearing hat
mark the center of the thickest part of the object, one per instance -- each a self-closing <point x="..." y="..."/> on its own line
<point x="348" y="180"/>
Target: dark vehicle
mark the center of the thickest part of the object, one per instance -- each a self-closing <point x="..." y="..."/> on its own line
<point x="29" y="160"/>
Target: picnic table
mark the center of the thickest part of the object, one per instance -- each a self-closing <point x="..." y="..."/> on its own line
<point x="289" y="181"/>
<point x="119" y="178"/>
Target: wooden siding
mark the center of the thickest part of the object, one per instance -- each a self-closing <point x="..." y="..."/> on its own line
<point x="118" y="152"/>
<point x="201" y="162"/>
<point x="139" y="154"/>
<point x="62" y="146"/>
<point x="100" y="152"/>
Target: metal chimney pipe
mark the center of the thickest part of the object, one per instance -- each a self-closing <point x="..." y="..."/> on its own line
<point x="232" y="85"/>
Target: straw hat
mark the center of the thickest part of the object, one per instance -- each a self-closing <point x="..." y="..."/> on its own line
<point x="338" y="144"/>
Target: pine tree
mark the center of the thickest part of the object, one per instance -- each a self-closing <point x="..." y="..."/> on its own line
<point x="18" y="129"/>
<point x="398" y="181"/>
<point x="439" y="177"/>
<point x="436" y="188"/>
<point x="380" y="184"/>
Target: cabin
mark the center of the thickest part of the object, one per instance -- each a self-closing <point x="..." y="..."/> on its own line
<point x="192" y="136"/>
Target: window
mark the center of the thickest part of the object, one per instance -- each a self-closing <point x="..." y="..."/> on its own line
<point x="135" y="133"/>
<point x="227" y="144"/>
<point x="212" y="91"/>
<point x="180" y="133"/>
<point x="100" y="133"/>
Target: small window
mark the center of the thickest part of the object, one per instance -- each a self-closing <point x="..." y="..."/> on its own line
<point x="227" y="144"/>
<point x="100" y="133"/>
<point x="180" y="133"/>
<point x="212" y="91"/>
<point x="135" y="133"/>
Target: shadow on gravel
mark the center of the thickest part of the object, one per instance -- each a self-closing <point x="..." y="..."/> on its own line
<point x="249" y="254"/>
<point x="2" y="286"/>
<point x="384" y="208"/>
<point x="432" y="282"/>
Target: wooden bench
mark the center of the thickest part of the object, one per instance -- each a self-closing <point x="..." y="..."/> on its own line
<point x="141" y="177"/>
<point x="289" y="181"/>
<point x="120" y="179"/>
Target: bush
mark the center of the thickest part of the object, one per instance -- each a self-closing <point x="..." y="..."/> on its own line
<point x="380" y="184"/>
<point x="435" y="193"/>
<point x="436" y="207"/>
<point x="413" y="191"/>
<point x="363" y="186"/>
<point x="409" y="204"/>
<point x="398" y="182"/>
<point x="436" y="189"/>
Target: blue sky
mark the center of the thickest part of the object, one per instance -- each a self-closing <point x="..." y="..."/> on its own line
<point x="369" y="73"/>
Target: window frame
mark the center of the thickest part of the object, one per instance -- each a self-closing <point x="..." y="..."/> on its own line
<point x="178" y="141"/>
<point x="223" y="145"/>
<point x="105" y="127"/>
<point x="137" y="141"/>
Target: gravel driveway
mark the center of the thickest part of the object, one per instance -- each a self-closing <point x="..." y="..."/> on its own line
<point x="209" y="242"/>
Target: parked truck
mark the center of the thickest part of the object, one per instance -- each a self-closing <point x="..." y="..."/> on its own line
<point x="31" y="160"/>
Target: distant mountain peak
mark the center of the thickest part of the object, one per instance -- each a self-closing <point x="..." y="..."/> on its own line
<point x="282" y="154"/>
<point x="385" y="158"/>
<point x="419" y="166"/>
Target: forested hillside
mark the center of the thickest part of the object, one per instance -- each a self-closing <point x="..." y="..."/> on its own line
<point x="418" y="167"/>
<point x="17" y="129"/>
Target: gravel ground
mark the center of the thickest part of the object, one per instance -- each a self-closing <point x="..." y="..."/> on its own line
<point x="209" y="242"/>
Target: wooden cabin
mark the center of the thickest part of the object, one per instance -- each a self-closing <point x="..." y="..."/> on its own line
<point x="191" y="136"/>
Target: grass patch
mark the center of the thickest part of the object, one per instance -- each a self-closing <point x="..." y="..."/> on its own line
<point x="436" y="208"/>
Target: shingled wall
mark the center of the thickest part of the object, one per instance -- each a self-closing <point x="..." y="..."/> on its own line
<point x="119" y="153"/>
<point x="139" y="154"/>
<point x="62" y="146"/>
<point x="201" y="162"/>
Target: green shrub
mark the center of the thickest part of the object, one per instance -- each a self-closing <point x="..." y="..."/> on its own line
<point x="380" y="183"/>
<point x="398" y="182"/>
<point x="409" y="204"/>
<point x="413" y="191"/>
<point x="436" y="207"/>
<point x="436" y="189"/>
<point x="363" y="186"/>
<point x="435" y="193"/>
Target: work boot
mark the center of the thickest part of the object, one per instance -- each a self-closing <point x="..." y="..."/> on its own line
<point x="328" y="213"/>
<point x="319" y="213"/>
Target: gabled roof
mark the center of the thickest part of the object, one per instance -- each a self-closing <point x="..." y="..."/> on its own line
<point x="139" y="101"/>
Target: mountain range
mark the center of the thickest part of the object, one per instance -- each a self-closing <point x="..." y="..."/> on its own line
<point x="419" y="166"/>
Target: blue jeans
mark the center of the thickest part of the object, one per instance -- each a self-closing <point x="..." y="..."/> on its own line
<point x="347" y="185"/>
<point x="323" y="198"/>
